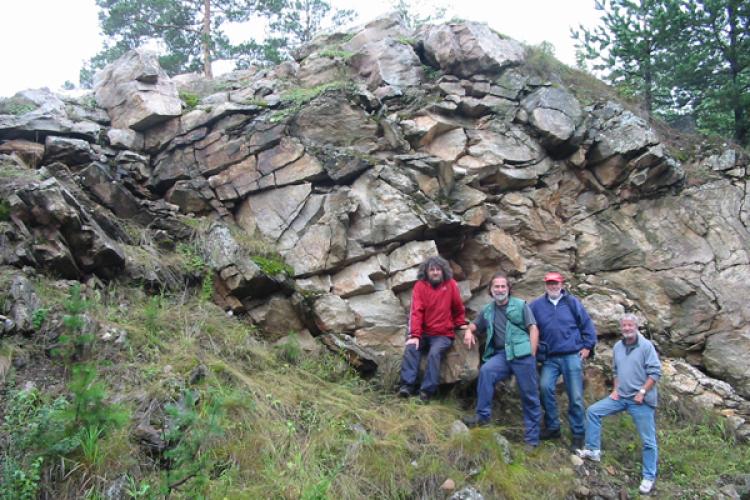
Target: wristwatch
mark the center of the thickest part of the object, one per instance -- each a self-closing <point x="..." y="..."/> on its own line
<point x="642" y="391"/>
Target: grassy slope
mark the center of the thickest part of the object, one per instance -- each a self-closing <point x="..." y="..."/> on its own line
<point x="278" y="423"/>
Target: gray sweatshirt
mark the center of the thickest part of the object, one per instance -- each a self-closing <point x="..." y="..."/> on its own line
<point x="634" y="367"/>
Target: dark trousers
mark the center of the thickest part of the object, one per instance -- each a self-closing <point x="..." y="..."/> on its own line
<point x="498" y="368"/>
<point x="435" y="348"/>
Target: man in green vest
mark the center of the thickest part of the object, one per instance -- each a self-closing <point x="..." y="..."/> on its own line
<point x="509" y="349"/>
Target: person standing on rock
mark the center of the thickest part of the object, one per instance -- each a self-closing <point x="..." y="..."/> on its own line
<point x="568" y="336"/>
<point x="637" y="369"/>
<point x="509" y="349"/>
<point x="436" y="311"/>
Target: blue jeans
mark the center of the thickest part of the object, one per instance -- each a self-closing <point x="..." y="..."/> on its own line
<point x="571" y="369"/>
<point x="435" y="348"/>
<point x="497" y="368"/>
<point x="643" y="417"/>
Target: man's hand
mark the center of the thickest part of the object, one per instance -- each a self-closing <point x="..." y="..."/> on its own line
<point x="639" y="398"/>
<point x="613" y="395"/>
<point x="469" y="338"/>
<point x="584" y="353"/>
<point x="413" y="341"/>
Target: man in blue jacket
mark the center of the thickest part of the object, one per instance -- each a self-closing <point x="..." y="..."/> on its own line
<point x="567" y="332"/>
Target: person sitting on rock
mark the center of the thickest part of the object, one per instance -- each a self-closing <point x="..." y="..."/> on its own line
<point x="637" y="369"/>
<point x="509" y="349"/>
<point x="436" y="310"/>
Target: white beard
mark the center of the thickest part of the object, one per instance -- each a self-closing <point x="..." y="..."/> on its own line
<point x="500" y="298"/>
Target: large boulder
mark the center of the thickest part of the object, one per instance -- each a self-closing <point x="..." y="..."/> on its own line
<point x="465" y="49"/>
<point x="136" y="91"/>
<point x="726" y="357"/>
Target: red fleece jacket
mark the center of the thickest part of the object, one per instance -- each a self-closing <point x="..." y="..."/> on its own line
<point x="436" y="311"/>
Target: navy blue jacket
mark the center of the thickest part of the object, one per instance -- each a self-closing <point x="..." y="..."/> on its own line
<point x="558" y="327"/>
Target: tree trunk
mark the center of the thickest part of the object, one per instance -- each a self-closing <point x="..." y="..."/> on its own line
<point x="206" y="36"/>
<point x="740" y="124"/>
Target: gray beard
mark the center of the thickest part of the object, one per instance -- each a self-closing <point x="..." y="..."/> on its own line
<point x="499" y="299"/>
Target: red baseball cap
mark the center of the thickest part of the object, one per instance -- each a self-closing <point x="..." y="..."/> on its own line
<point x="554" y="277"/>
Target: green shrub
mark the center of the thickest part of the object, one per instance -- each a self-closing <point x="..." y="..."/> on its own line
<point x="16" y="106"/>
<point x="4" y="210"/>
<point x="336" y="53"/>
<point x="38" y="317"/>
<point x="190" y="99"/>
<point x="272" y="266"/>
<point x="193" y="428"/>
<point x="75" y="341"/>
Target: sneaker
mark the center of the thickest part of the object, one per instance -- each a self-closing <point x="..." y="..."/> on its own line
<point x="577" y="443"/>
<point x="405" y="391"/>
<point x="593" y="455"/>
<point x="475" y="421"/>
<point x="529" y="448"/>
<point x="424" y="397"/>
<point x="548" y="434"/>
<point x="646" y="486"/>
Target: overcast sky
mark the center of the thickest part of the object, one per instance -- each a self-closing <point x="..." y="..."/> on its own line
<point x="45" y="42"/>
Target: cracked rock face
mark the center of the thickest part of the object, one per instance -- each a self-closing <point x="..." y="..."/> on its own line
<point x="356" y="169"/>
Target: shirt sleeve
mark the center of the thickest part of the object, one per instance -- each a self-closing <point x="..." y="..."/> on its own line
<point x="528" y="315"/>
<point x="458" y="310"/>
<point x="480" y="322"/>
<point x="653" y="365"/>
<point x="416" y="315"/>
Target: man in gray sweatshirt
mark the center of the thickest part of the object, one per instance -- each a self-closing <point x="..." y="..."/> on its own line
<point x="637" y="369"/>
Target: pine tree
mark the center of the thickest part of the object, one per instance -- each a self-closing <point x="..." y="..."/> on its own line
<point x="712" y="66"/>
<point x="631" y="46"/>
<point x="189" y="31"/>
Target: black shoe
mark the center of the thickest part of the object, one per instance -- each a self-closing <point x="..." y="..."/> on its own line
<point x="577" y="443"/>
<point x="424" y="397"/>
<point x="405" y="391"/>
<point x="548" y="434"/>
<point x="475" y="421"/>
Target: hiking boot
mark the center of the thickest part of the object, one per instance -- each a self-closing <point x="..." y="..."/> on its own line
<point x="548" y="434"/>
<point x="475" y="421"/>
<point x="576" y="443"/>
<point x="424" y="397"/>
<point x="405" y="391"/>
<point x="647" y="485"/>
<point x="593" y="455"/>
<point x="529" y="448"/>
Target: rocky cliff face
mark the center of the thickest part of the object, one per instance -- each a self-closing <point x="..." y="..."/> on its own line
<point x="372" y="151"/>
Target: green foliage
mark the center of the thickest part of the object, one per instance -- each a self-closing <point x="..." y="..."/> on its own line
<point x="336" y="53"/>
<point x="182" y="28"/>
<point x="190" y="99"/>
<point x="193" y="428"/>
<point x="412" y="42"/>
<point x="75" y="341"/>
<point x="291" y="23"/>
<point x="430" y="73"/>
<point x="193" y="259"/>
<point x="16" y="106"/>
<point x="19" y="483"/>
<point x="207" y="286"/>
<point x="679" y="60"/>
<point x="4" y="210"/>
<point x="38" y="317"/>
<point x="290" y="351"/>
<point x="273" y="265"/>
<point x="295" y="99"/>
<point x="151" y="314"/>
<point x="416" y="13"/>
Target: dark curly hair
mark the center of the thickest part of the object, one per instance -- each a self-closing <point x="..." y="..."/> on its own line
<point x="434" y="262"/>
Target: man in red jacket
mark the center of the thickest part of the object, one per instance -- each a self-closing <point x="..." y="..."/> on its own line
<point x="436" y="310"/>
